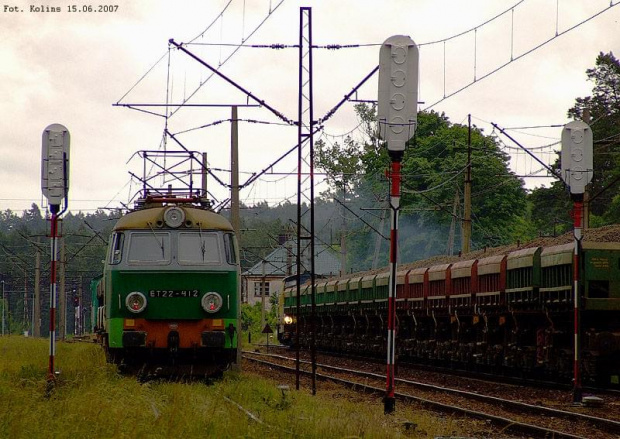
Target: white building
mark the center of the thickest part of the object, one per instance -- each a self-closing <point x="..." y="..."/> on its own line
<point x="280" y="263"/>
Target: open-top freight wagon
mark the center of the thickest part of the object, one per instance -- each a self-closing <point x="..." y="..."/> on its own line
<point x="507" y="310"/>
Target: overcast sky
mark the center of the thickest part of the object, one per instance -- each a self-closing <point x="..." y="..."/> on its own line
<point x="71" y="67"/>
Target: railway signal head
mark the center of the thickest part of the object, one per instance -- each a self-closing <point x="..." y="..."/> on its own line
<point x="55" y="164"/>
<point x="398" y="92"/>
<point x="577" y="161"/>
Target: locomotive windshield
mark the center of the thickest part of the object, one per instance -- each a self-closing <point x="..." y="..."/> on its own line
<point x="186" y="248"/>
<point x="197" y="248"/>
<point x="149" y="248"/>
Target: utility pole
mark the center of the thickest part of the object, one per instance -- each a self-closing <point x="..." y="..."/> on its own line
<point x="75" y="304"/>
<point x="450" y="251"/>
<point x="262" y="296"/>
<point x="3" y="307"/>
<point x="36" y="320"/>
<point x="234" y="167"/>
<point x="26" y="314"/>
<point x="234" y="211"/>
<point x="378" y="240"/>
<point x="80" y="323"/>
<point x="343" y="239"/>
<point x="467" y="196"/>
<point x="289" y="257"/>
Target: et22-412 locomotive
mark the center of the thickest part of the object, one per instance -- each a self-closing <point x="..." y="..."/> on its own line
<point x="503" y="312"/>
<point x="168" y="297"/>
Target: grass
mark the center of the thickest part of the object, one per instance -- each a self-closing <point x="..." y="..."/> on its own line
<point x="91" y="400"/>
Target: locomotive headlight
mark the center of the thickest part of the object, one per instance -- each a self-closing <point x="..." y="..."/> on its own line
<point x="135" y="302"/>
<point x="288" y="320"/>
<point x="211" y="302"/>
<point x="174" y="217"/>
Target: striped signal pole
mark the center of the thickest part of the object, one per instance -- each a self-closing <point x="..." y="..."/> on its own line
<point x="577" y="231"/>
<point x="394" y="175"/>
<point x="51" y="376"/>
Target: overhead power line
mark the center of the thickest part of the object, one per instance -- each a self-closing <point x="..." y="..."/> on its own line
<point x="515" y="58"/>
<point x="473" y="29"/>
<point x="549" y="169"/>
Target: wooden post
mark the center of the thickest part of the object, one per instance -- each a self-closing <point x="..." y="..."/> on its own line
<point x="467" y="195"/>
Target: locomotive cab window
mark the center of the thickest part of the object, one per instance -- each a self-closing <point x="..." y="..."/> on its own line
<point x="598" y="289"/>
<point x="229" y="247"/>
<point x="116" y="249"/>
<point x="199" y="248"/>
<point x="149" y="248"/>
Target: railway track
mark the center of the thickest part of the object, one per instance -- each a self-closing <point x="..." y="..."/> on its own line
<point x="474" y="375"/>
<point x="86" y="338"/>
<point x="513" y="416"/>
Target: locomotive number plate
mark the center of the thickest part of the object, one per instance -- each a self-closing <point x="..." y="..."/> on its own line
<point x="173" y="293"/>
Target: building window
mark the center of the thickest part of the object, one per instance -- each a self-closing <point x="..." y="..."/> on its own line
<point x="257" y="288"/>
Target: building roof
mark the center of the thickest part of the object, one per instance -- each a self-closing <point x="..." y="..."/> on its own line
<point x="326" y="262"/>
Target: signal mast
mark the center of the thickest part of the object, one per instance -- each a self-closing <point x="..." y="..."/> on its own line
<point x="397" y="116"/>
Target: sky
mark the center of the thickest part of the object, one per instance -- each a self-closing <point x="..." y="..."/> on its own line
<point x="72" y="67"/>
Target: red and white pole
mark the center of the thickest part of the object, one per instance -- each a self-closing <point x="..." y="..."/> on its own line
<point x="51" y="375"/>
<point x="390" y="400"/>
<point x="577" y="230"/>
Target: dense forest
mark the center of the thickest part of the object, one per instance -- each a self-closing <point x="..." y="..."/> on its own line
<point x="354" y="209"/>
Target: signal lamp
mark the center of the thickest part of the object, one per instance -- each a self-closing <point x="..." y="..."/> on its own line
<point x="174" y="217"/>
<point x="211" y="302"/>
<point x="135" y="302"/>
<point x="288" y="320"/>
<point x="397" y="106"/>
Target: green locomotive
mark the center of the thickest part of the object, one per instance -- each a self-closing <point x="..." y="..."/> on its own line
<point x="169" y="293"/>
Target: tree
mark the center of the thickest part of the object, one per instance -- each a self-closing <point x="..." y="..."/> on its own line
<point x="601" y="110"/>
<point x="433" y="176"/>
<point x="261" y="227"/>
<point x="341" y="163"/>
<point x="32" y="219"/>
<point x="21" y="237"/>
<point x="551" y="209"/>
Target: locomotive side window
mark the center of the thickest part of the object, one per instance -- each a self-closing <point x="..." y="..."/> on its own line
<point x="229" y="247"/>
<point x="149" y="248"/>
<point x="199" y="248"/>
<point x="598" y="289"/>
<point x="116" y="249"/>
